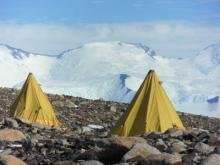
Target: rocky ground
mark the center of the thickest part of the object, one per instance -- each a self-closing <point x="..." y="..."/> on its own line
<point x="83" y="139"/>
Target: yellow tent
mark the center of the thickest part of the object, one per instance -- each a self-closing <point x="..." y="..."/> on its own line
<point x="150" y="110"/>
<point x="33" y="105"/>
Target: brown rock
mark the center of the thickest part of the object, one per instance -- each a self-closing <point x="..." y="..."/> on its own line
<point x="11" y="135"/>
<point x="127" y="142"/>
<point x="139" y="149"/>
<point x="11" y="160"/>
<point x="171" y="158"/>
<point x="164" y="158"/>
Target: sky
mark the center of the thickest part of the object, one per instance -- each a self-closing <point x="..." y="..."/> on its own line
<point x="174" y="28"/>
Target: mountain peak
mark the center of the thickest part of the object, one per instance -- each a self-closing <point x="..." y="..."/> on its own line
<point x="16" y="52"/>
<point x="208" y="58"/>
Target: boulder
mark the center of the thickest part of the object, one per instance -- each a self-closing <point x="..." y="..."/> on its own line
<point x="139" y="149"/>
<point x="11" y="160"/>
<point x="11" y="135"/>
<point x="171" y="158"/>
<point x="161" y="159"/>
<point x="213" y="159"/>
<point x="204" y="148"/>
<point x="178" y="147"/>
<point x="126" y="142"/>
<point x="112" y="149"/>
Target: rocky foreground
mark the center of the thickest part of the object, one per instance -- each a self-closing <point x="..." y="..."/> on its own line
<point x="84" y="137"/>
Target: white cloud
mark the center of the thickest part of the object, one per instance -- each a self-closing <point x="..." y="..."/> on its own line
<point x="167" y="38"/>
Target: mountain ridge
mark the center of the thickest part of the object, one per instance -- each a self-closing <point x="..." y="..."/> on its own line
<point x="95" y="70"/>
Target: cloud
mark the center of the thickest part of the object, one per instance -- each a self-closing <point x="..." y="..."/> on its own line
<point x="167" y="38"/>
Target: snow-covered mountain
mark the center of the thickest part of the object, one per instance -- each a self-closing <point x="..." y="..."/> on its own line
<point x="114" y="71"/>
<point x="15" y="64"/>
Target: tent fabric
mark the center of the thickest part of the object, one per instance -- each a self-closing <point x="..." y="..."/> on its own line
<point x="149" y="111"/>
<point x="33" y="105"/>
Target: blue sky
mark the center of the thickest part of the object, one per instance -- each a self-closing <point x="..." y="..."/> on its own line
<point x="109" y="11"/>
<point x="47" y="26"/>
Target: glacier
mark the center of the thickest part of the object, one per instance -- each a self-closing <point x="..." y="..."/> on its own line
<point x="114" y="70"/>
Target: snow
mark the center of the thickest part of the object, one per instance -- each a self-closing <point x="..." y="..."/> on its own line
<point x="93" y="126"/>
<point x="114" y="71"/>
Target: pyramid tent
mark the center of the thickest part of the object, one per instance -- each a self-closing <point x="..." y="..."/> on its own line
<point x="149" y="111"/>
<point x="33" y="105"/>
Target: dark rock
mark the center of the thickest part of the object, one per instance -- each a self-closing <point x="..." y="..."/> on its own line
<point x="9" y="122"/>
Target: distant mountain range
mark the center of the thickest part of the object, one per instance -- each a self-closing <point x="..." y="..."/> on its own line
<point x="114" y="71"/>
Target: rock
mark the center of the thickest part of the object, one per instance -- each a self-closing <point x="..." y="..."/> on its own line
<point x="112" y="149"/>
<point x="64" y="142"/>
<point x="178" y="147"/>
<point x="192" y="157"/>
<point x="171" y="158"/>
<point x="58" y="103"/>
<point x="161" y="145"/>
<point x="69" y="104"/>
<point x="174" y="132"/>
<point x="86" y="129"/>
<point x="153" y="159"/>
<point x="203" y="136"/>
<point x="22" y="120"/>
<point x="217" y="150"/>
<point x="213" y="159"/>
<point x="41" y="126"/>
<point x="11" y="135"/>
<point x="189" y="135"/>
<point x="139" y="149"/>
<point x="153" y="135"/>
<point x="126" y="142"/>
<point x="161" y="159"/>
<point x="204" y="148"/>
<point x="5" y="152"/>
<point x="11" y="122"/>
<point x="90" y="162"/>
<point x="11" y="160"/>
<point x="113" y="108"/>
<point x="68" y="145"/>
<point x="65" y="163"/>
